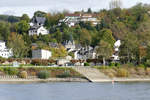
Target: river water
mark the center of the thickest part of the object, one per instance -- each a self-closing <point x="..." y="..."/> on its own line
<point x="75" y="91"/>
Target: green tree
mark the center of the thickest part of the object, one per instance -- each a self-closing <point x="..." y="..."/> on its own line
<point x="85" y="37"/>
<point x="89" y="10"/>
<point x="129" y="48"/>
<point x="22" y="27"/>
<point x="25" y="17"/>
<point x="16" y="42"/>
<point x="39" y="14"/>
<point x="104" y="50"/>
<point x="4" y="30"/>
<point x="58" y="36"/>
<point x="106" y="35"/>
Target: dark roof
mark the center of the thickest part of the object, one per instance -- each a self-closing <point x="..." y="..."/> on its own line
<point x="52" y="44"/>
<point x="39" y="20"/>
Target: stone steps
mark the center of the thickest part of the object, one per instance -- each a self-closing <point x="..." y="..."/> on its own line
<point x="92" y="74"/>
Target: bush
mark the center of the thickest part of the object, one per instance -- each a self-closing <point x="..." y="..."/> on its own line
<point x="117" y="64"/>
<point x="11" y="70"/>
<point x="112" y="64"/>
<point x="43" y="74"/>
<point x="140" y="71"/>
<point x="1" y="69"/>
<point x="2" y="60"/>
<point x="148" y="71"/>
<point x="64" y="75"/>
<point x="33" y="73"/>
<point x="122" y="73"/>
<point x="23" y="74"/>
<point x="141" y="65"/>
<point x="86" y="64"/>
<point x="147" y="63"/>
<point x="39" y="62"/>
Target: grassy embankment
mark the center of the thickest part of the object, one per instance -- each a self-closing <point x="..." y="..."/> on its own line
<point x="48" y="72"/>
<point x="126" y="71"/>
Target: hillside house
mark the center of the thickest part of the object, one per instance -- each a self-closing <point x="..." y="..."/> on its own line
<point x="38" y="21"/>
<point x="73" y="19"/>
<point x="37" y="26"/>
<point x="37" y="30"/>
<point x="4" y="51"/>
<point x="69" y="45"/>
<point x="115" y="56"/>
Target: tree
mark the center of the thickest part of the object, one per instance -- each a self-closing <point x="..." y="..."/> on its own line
<point x="22" y="27"/>
<point x="67" y="35"/>
<point x="89" y="10"/>
<point x="106" y="35"/>
<point x="59" y="52"/>
<point x="25" y="17"/>
<point x="104" y="50"/>
<point x="129" y="48"/>
<point x="85" y="37"/>
<point x="39" y="14"/>
<point x="58" y="36"/>
<point x="16" y="42"/>
<point x="119" y="29"/>
<point x="4" y="30"/>
<point x="53" y="19"/>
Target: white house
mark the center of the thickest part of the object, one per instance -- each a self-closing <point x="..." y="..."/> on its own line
<point x="38" y="30"/>
<point x="73" y="19"/>
<point x="70" y="45"/>
<point x="90" y="18"/>
<point x="84" y="53"/>
<point x="41" y="54"/>
<point x="4" y="51"/>
<point x="37" y="26"/>
<point x="116" y="49"/>
<point x="70" y="19"/>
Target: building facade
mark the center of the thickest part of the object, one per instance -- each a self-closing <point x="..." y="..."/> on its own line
<point x="37" y="26"/>
<point x="38" y="30"/>
<point x="4" y="51"/>
<point x="41" y="54"/>
<point x="73" y="19"/>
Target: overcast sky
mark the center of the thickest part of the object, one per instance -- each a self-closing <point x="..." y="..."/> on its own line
<point x="19" y="7"/>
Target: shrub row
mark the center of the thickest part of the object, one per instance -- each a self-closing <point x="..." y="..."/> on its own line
<point x="40" y="72"/>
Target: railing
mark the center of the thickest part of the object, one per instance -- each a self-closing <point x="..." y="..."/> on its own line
<point x="15" y="77"/>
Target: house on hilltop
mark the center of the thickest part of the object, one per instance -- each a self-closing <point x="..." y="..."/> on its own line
<point x="37" y="30"/>
<point x="73" y="19"/>
<point x="37" y="26"/>
<point x="38" y="21"/>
